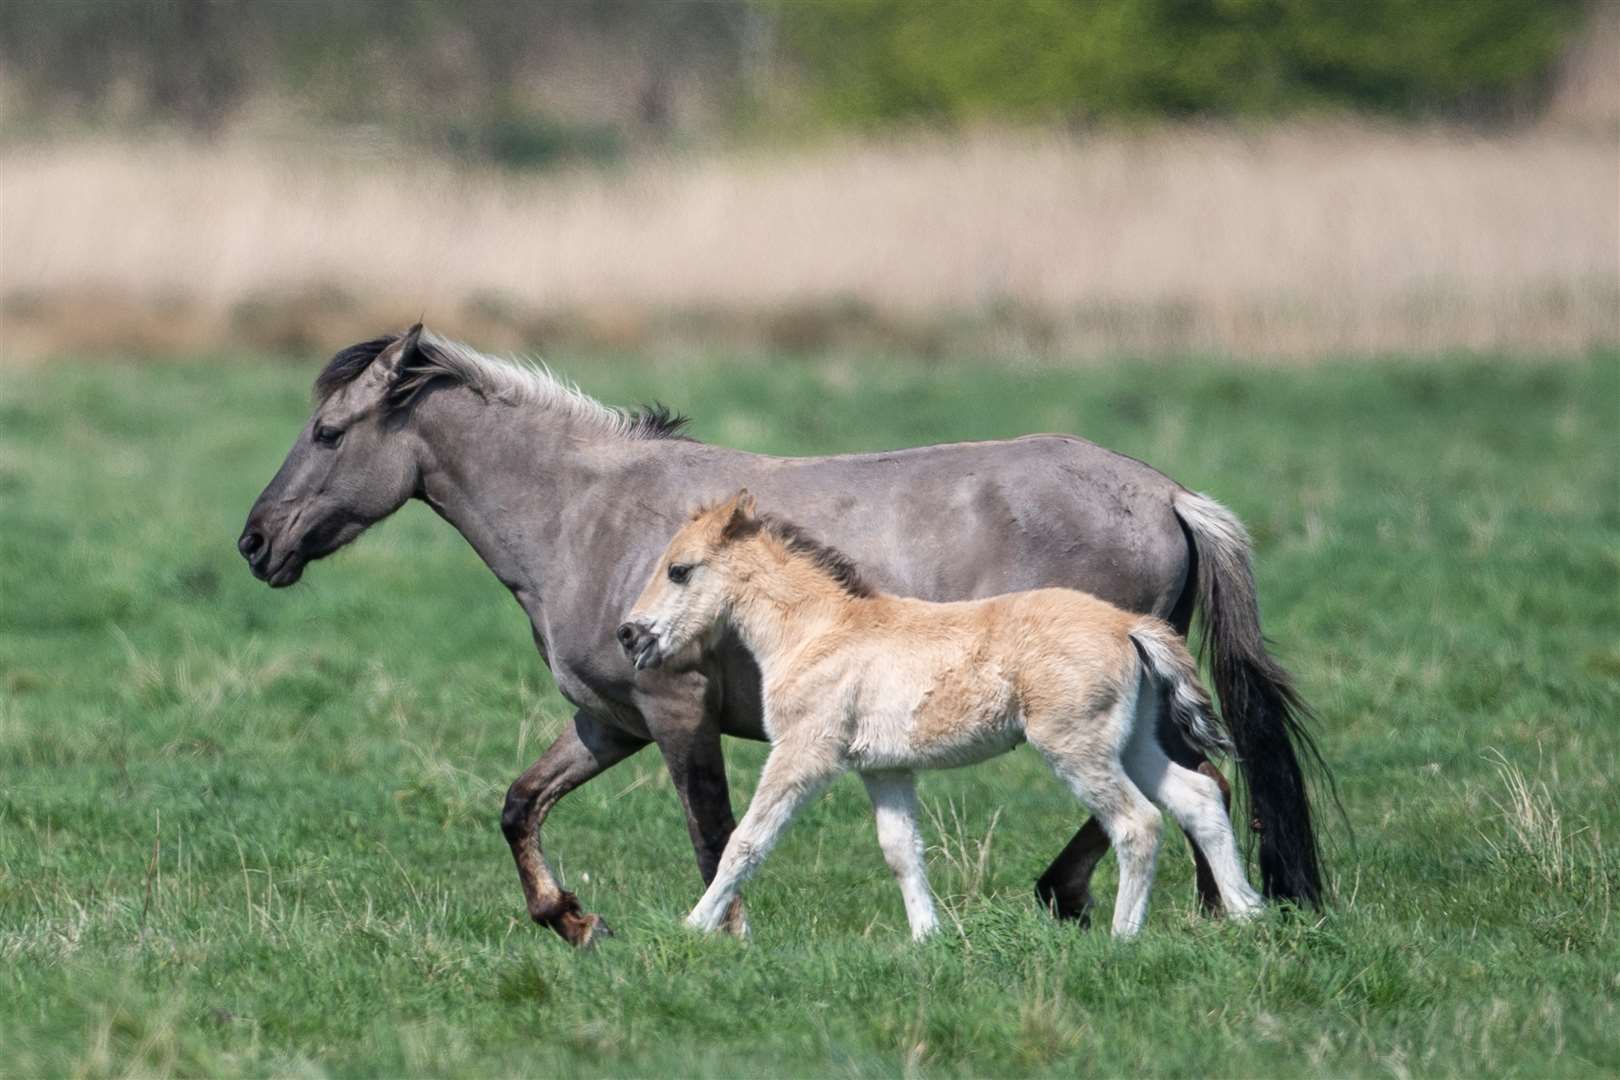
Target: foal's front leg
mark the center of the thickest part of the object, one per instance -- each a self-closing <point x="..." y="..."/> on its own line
<point x="675" y="708"/>
<point x="894" y="806"/>
<point x="793" y="775"/>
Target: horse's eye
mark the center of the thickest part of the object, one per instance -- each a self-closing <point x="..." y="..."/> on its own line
<point x="328" y="436"/>
<point x="679" y="572"/>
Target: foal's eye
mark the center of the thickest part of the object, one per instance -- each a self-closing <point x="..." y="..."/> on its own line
<point x="328" y="436"/>
<point x="679" y="572"/>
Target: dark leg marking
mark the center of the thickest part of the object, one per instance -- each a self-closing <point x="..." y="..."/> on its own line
<point x="581" y="751"/>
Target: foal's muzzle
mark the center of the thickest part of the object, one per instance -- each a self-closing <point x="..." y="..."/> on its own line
<point x="639" y="644"/>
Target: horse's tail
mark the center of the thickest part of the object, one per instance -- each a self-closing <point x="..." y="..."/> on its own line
<point x="1261" y="708"/>
<point x="1167" y="660"/>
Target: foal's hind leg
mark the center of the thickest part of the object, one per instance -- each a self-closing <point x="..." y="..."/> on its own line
<point x="1195" y="801"/>
<point x="1065" y="888"/>
<point x="894" y="805"/>
<point x="1087" y="757"/>
<point x="1132" y="824"/>
<point x="1181" y="752"/>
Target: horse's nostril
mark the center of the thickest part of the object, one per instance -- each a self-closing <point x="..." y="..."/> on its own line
<point x="627" y="634"/>
<point x="252" y="540"/>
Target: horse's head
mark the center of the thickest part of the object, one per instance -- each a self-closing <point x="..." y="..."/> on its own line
<point x="353" y="464"/>
<point x="687" y="597"/>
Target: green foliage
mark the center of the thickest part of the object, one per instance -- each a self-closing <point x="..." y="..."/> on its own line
<point x="877" y="60"/>
<point x="489" y="79"/>
<point x="254" y="833"/>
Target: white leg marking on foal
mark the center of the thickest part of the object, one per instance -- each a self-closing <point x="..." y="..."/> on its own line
<point x="788" y="781"/>
<point x="894" y="807"/>
<point x="1194" y="800"/>
<point x="1087" y="752"/>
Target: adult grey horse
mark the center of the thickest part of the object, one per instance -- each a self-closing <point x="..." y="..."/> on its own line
<point x="570" y="502"/>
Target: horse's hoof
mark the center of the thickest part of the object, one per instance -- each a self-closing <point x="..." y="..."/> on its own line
<point x="594" y="929"/>
<point x="570" y="922"/>
<point x="582" y="930"/>
<point x="1064" y="907"/>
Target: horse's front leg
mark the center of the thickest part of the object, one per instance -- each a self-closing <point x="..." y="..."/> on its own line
<point x="676" y="712"/>
<point x="584" y="748"/>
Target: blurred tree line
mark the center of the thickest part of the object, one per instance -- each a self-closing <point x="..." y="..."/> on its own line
<point x="540" y="81"/>
<point x="878" y="60"/>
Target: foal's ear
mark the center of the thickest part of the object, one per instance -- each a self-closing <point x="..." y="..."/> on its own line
<point x="741" y="515"/>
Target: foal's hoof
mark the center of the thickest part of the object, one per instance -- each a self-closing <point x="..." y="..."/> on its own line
<point x="736" y="920"/>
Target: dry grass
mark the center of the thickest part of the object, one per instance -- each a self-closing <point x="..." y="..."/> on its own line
<point x="1293" y="241"/>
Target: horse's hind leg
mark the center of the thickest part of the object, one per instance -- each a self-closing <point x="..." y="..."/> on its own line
<point x="1065" y="888"/>
<point x="894" y="806"/>
<point x="1195" y="801"/>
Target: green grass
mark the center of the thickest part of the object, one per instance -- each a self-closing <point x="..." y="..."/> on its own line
<point x="245" y="832"/>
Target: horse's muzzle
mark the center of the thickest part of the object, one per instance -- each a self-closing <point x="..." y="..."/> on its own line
<point x="639" y="645"/>
<point x="278" y="571"/>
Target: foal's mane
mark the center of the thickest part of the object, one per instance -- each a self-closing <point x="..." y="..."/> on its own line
<point x="509" y="382"/>
<point x="824" y="557"/>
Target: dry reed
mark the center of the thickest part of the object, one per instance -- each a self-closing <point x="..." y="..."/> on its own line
<point x="1290" y="241"/>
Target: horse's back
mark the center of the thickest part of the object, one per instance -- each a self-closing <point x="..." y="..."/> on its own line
<point x="966" y="520"/>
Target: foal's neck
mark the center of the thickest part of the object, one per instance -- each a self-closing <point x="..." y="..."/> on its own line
<point x="780" y="601"/>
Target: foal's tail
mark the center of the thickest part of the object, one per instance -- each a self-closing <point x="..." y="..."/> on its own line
<point x="1262" y="710"/>
<point x="1166" y="657"/>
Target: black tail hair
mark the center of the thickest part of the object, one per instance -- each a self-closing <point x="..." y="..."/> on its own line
<point x="1262" y="710"/>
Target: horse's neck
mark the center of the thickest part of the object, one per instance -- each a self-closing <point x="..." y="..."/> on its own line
<point x="502" y="480"/>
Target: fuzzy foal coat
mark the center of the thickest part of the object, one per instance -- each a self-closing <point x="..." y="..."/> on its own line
<point x="886" y="686"/>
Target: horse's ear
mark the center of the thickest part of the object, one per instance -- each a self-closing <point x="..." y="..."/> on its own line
<point x="741" y="515"/>
<point x="410" y="349"/>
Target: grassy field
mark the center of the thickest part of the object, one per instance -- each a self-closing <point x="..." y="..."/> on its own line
<point x="247" y="833"/>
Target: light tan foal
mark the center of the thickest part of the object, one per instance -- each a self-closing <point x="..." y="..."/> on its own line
<point x="885" y="686"/>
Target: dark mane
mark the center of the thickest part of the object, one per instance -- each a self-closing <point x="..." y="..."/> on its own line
<point x="829" y="560"/>
<point x="433" y="360"/>
<point x="348" y="364"/>
<point x="657" y="421"/>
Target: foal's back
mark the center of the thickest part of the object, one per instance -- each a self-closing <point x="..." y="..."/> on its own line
<point x="932" y="685"/>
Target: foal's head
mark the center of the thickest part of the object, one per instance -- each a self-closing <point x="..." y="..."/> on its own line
<point x="707" y="570"/>
<point x="692" y="586"/>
